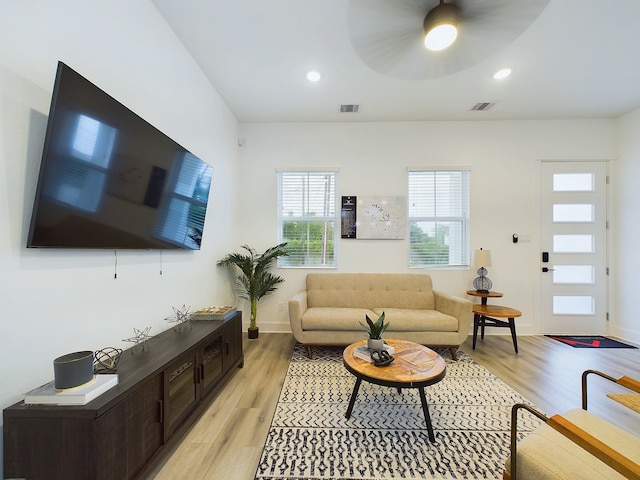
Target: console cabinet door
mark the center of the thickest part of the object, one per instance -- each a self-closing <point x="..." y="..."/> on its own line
<point x="182" y="381"/>
<point x="128" y="434"/>
<point x="232" y="342"/>
<point x="211" y="363"/>
<point x="48" y="447"/>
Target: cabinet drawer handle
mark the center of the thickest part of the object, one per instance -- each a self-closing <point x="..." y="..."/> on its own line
<point x="161" y="411"/>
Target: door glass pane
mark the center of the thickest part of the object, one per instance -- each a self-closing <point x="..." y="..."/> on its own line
<point x="573" y="243"/>
<point x="573" y="305"/>
<point x="572" y="182"/>
<point x="583" y="274"/>
<point x="572" y="212"/>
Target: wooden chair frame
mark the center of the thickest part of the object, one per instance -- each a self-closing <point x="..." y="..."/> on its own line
<point x="588" y="442"/>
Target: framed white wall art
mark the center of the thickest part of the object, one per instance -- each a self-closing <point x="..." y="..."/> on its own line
<point x="381" y="217"/>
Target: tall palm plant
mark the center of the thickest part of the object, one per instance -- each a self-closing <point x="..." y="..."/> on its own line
<point x="253" y="278"/>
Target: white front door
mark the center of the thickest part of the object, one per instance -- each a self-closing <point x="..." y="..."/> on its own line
<point x="573" y="240"/>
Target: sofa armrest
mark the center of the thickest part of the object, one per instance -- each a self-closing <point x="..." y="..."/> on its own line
<point x="297" y="307"/>
<point x="457" y="307"/>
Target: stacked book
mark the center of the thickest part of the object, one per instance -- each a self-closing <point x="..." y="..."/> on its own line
<point x="214" y="313"/>
<point x="81" y="395"/>
<point x="364" y="352"/>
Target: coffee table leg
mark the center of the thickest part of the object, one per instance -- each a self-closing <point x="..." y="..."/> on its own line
<point x="425" y="409"/>
<point x="356" y="387"/>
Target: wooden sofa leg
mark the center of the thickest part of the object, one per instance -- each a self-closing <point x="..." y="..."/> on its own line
<point x="309" y="351"/>
<point x="453" y="351"/>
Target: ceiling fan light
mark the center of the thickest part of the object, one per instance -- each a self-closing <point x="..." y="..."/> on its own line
<point x="441" y="26"/>
<point x="440" y="37"/>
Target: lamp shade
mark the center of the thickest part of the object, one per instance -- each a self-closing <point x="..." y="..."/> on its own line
<point x="482" y="258"/>
<point x="441" y="26"/>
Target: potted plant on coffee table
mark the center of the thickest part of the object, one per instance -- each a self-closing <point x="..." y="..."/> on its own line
<point x="375" y="331"/>
<point x="253" y="278"/>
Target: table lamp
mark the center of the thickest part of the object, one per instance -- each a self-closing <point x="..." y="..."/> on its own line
<point x="482" y="259"/>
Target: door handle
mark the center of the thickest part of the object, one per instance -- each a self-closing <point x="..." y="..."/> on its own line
<point x="547" y="269"/>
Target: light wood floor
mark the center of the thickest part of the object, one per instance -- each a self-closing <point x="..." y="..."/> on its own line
<point x="226" y="442"/>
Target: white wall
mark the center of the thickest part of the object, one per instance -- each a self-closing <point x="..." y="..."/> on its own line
<point x="372" y="157"/>
<point x="57" y="302"/>
<point x="626" y="228"/>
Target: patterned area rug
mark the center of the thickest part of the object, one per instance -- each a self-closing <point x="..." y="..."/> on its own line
<point x="386" y="436"/>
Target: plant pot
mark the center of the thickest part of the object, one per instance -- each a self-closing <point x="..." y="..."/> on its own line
<point x="375" y="343"/>
<point x="253" y="332"/>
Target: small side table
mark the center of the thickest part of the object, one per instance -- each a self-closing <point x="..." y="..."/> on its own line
<point x="484" y="295"/>
<point x="489" y="316"/>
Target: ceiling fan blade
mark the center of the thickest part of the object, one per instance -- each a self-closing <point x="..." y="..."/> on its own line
<point x="388" y="35"/>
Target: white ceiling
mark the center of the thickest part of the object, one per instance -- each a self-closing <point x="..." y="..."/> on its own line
<point x="578" y="59"/>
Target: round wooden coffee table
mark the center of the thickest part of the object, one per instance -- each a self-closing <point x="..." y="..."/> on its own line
<point x="415" y="366"/>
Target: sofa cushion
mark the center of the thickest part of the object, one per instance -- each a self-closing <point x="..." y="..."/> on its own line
<point x="406" y="320"/>
<point x="336" y="318"/>
<point x="400" y="319"/>
<point x="365" y="291"/>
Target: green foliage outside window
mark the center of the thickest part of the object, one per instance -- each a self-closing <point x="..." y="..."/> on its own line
<point x="427" y="249"/>
<point x="309" y="243"/>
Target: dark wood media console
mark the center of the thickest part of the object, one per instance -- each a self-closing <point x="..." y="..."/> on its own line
<point x="118" y="435"/>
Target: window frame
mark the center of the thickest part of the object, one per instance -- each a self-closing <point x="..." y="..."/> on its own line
<point x="464" y="218"/>
<point x="334" y="219"/>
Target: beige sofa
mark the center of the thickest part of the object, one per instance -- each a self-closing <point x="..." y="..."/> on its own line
<point x="329" y="310"/>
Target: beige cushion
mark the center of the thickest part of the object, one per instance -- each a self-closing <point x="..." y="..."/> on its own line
<point x="545" y="454"/>
<point x="400" y="319"/>
<point x="335" y="318"/>
<point x="353" y="290"/>
<point x="405" y="320"/>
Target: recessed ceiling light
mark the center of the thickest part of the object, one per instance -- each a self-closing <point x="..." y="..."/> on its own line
<point x="313" y="76"/>
<point x="500" y="74"/>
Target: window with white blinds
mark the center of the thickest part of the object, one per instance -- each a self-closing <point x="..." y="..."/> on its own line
<point x="308" y="218"/>
<point x="438" y="217"/>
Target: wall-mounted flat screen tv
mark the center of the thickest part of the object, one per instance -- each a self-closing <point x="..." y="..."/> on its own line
<point x="109" y="179"/>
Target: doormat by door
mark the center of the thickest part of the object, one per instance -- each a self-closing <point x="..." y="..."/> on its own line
<point x="581" y="341"/>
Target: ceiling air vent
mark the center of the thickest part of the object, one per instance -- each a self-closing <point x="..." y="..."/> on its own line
<point x="483" y="106"/>
<point x="349" y="108"/>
